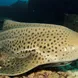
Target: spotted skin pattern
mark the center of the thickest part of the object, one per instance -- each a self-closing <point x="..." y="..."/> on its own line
<point x="24" y="46"/>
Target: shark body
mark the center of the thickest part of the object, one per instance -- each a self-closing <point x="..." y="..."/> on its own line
<point x="24" y="46"/>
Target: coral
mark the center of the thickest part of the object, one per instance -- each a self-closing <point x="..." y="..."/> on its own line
<point x="48" y="74"/>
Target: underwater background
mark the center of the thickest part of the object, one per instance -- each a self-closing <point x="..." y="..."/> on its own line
<point x="42" y="11"/>
<point x="62" y="12"/>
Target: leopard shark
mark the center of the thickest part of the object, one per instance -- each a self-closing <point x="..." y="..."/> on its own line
<point x="24" y="46"/>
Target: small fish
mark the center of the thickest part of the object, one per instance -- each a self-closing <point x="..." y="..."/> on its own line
<point x="24" y="46"/>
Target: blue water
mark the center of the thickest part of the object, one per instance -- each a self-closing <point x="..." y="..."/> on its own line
<point x="9" y="2"/>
